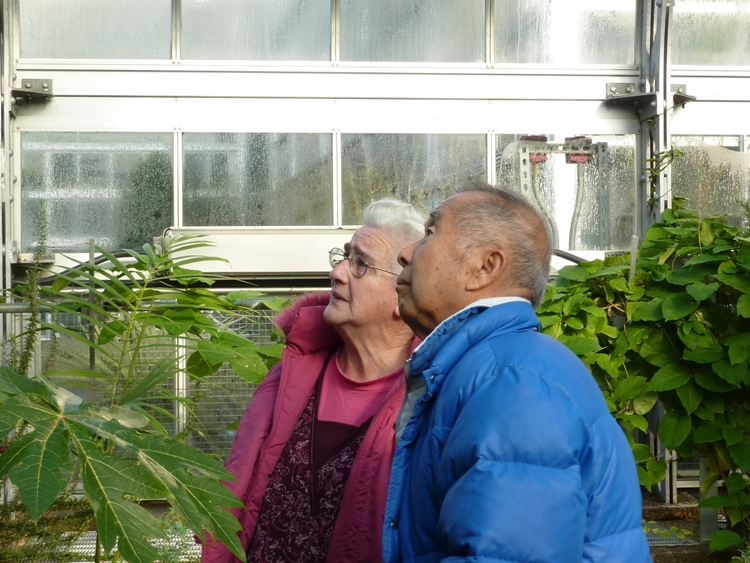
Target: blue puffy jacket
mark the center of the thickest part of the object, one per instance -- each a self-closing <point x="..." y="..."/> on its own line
<point x="508" y="453"/>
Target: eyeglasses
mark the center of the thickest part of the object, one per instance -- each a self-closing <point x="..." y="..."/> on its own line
<point x="357" y="264"/>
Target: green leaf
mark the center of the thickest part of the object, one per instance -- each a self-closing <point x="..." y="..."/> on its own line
<point x="108" y="481"/>
<point x="243" y="295"/>
<point x="649" y="311"/>
<point x="658" y="351"/>
<point x="731" y="435"/>
<point x="738" y="353"/>
<point x="739" y="282"/>
<point x="657" y="469"/>
<point x="707" y="432"/>
<point x="740" y="453"/>
<point x="580" y="345"/>
<point x="110" y="331"/>
<point x="735" y="483"/>
<point x="703" y="258"/>
<point x="677" y="306"/>
<point x="573" y="273"/>
<point x="644" y="402"/>
<point x="674" y="429"/>
<point x="705" y="413"/>
<point x="715" y="403"/>
<point x="712" y="382"/>
<point x="690" y="396"/>
<point x="574" y="323"/>
<point x="708" y="481"/>
<point x="249" y="367"/>
<point x="688" y="275"/>
<point x="641" y="452"/>
<point x="635" y="421"/>
<point x="704" y="355"/>
<point x="628" y="388"/>
<point x="743" y="306"/>
<point x="276" y="303"/>
<point x="732" y="374"/>
<point x="669" y="377"/>
<point x="701" y="291"/>
<point x="718" y="502"/>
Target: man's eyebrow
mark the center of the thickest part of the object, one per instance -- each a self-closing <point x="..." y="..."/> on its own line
<point x="434" y="218"/>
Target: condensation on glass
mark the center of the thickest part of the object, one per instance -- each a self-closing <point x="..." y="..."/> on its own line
<point x="258" y="179"/>
<point x="114" y="187"/>
<point x="711" y="32"/>
<point x="96" y="29"/>
<point x="713" y="173"/>
<point x="412" y="30"/>
<point x="420" y="169"/>
<point x="280" y="30"/>
<point x="583" y="186"/>
<point x="565" y="33"/>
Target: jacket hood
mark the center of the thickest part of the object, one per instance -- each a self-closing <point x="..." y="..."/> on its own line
<point x="304" y="326"/>
<point x="285" y="319"/>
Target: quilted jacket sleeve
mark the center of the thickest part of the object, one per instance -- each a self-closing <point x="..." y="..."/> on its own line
<point x="525" y="477"/>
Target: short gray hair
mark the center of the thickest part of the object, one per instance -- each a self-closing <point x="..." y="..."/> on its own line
<point x="397" y="218"/>
<point x="400" y="220"/>
<point x="501" y="216"/>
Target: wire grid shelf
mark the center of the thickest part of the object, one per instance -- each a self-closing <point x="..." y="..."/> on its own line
<point x="83" y="549"/>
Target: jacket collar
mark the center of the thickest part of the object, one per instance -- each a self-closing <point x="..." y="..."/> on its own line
<point x="447" y="344"/>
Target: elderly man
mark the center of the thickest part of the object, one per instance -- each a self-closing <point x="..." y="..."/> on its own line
<point x="506" y="449"/>
<point x="313" y="452"/>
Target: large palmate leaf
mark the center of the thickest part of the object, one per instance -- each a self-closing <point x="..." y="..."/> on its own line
<point x="120" y="465"/>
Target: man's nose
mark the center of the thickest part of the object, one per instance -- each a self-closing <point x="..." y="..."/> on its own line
<point x="406" y="255"/>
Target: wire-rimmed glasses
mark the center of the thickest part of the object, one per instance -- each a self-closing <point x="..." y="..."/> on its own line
<point x="357" y="264"/>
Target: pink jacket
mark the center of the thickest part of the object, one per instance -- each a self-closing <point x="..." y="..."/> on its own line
<point x="268" y="423"/>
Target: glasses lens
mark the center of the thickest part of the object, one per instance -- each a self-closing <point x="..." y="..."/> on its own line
<point x="336" y="256"/>
<point x="359" y="266"/>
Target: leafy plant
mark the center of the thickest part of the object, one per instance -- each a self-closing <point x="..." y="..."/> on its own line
<point x="129" y="310"/>
<point x="674" y="327"/>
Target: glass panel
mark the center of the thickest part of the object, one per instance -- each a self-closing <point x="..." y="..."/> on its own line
<point x="115" y="187"/>
<point x="261" y="179"/>
<point x="711" y="32"/>
<point x="280" y="30"/>
<point x="584" y="186"/>
<point x="420" y="169"/>
<point x="565" y="33"/>
<point x="714" y="174"/>
<point x="412" y="30"/>
<point x="96" y="29"/>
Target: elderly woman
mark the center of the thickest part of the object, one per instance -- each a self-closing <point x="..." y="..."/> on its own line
<point x="313" y="452"/>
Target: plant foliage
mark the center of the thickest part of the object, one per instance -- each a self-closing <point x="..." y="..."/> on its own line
<point x="676" y="328"/>
<point x="131" y="310"/>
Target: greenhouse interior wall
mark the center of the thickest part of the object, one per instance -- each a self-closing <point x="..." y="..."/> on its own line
<point x="269" y="125"/>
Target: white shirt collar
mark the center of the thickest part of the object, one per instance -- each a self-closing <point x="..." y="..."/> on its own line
<point x="487" y="302"/>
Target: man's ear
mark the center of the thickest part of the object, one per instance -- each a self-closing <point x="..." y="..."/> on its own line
<point x="489" y="267"/>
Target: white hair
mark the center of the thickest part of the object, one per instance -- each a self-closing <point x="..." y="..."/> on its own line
<point x="397" y="218"/>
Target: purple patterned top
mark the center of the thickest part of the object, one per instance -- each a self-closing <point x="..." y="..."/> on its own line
<point x="304" y="493"/>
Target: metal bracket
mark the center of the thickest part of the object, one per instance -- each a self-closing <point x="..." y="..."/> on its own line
<point x="680" y="96"/>
<point x="643" y="104"/>
<point x="620" y="89"/>
<point x="32" y="89"/>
